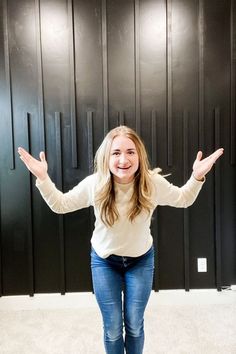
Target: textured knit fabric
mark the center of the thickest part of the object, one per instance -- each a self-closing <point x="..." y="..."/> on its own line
<point x="124" y="238"/>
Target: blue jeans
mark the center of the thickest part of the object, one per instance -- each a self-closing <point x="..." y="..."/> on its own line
<point x="134" y="277"/>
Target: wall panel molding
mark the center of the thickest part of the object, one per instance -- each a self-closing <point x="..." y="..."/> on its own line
<point x="41" y="109"/>
<point x="154" y="137"/>
<point x="99" y="64"/>
<point x="201" y="34"/>
<point x="59" y="172"/>
<point x="90" y="134"/>
<point x="73" y="120"/>
<point x="154" y="144"/>
<point x="186" y="211"/>
<point x="217" y="201"/>
<point x="232" y="83"/>
<point x="121" y="118"/>
<point x="104" y="66"/>
<point x="9" y="85"/>
<point x="137" y="65"/>
<point x="30" y="213"/>
<point x="1" y="270"/>
<point x="169" y="106"/>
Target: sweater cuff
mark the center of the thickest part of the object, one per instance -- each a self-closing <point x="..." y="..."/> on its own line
<point x="196" y="180"/>
<point x="45" y="185"/>
<point x="39" y="182"/>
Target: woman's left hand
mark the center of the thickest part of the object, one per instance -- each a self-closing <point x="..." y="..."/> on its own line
<point x="202" y="167"/>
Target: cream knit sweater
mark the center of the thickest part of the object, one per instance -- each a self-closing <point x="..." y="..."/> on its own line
<point x="124" y="238"/>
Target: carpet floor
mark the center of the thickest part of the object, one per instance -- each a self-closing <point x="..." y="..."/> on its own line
<point x="172" y="326"/>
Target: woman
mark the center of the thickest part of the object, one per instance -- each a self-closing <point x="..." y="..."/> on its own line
<point x="124" y="193"/>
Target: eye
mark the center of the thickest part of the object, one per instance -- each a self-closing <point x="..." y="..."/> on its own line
<point x="115" y="153"/>
<point x="131" y="152"/>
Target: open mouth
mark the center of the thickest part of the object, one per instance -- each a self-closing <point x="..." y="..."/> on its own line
<point x="124" y="168"/>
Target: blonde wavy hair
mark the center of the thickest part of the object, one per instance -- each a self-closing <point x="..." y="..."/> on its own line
<point x="105" y="192"/>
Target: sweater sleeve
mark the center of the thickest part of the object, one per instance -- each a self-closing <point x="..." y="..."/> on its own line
<point x="77" y="198"/>
<point x="181" y="197"/>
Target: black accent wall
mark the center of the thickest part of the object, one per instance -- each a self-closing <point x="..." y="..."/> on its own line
<point x="72" y="70"/>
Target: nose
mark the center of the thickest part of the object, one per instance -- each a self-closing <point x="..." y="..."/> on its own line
<point x="123" y="158"/>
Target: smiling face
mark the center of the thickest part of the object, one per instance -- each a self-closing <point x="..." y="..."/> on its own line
<point x="124" y="159"/>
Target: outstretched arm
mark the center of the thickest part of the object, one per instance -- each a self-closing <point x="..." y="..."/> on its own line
<point x="182" y="197"/>
<point x="39" y="168"/>
<point x="81" y="196"/>
<point x="202" y="167"/>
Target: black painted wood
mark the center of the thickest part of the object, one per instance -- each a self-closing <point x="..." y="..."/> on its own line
<point x="186" y="211"/>
<point x="2" y="96"/>
<point x="90" y="134"/>
<point x="102" y="63"/>
<point x="59" y="164"/>
<point x="154" y="138"/>
<point x="137" y="64"/>
<point x="169" y="105"/>
<point x="217" y="202"/>
<point x="201" y="32"/>
<point x="155" y="214"/>
<point x="232" y="81"/>
<point x="41" y="109"/>
<point x="71" y="40"/>
<point x="90" y="141"/>
<point x="31" y="290"/>
<point x="10" y="122"/>
<point x="104" y="66"/>
<point x="121" y="118"/>
<point x="0" y="245"/>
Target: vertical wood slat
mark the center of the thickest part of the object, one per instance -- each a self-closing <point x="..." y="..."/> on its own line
<point x="121" y="118"/>
<point x="201" y="76"/>
<point x="232" y="85"/>
<point x="169" y="108"/>
<point x="104" y="66"/>
<point x="1" y="285"/>
<point x="30" y="216"/>
<point x="90" y="160"/>
<point x="154" y="138"/>
<point x="59" y="165"/>
<point x="40" y="77"/>
<point x="137" y="65"/>
<point x="73" y="121"/>
<point x="90" y="140"/>
<point x="217" y="203"/>
<point x="155" y="215"/>
<point x="186" y="211"/>
<point x="6" y="48"/>
<point x="9" y="85"/>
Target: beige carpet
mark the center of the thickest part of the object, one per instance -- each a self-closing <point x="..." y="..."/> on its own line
<point x="175" y="324"/>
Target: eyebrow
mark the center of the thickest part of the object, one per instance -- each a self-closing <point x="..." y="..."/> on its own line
<point x="131" y="149"/>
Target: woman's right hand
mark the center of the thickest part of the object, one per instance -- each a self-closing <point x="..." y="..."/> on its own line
<point x="39" y="168"/>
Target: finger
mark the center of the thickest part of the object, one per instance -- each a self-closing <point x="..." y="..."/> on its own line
<point x="42" y="156"/>
<point x="199" y="156"/>
<point x="219" y="152"/>
<point x="21" y="148"/>
<point x="213" y="157"/>
<point x="23" y="152"/>
<point x="25" y="161"/>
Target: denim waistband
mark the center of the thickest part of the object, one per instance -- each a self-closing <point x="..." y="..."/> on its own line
<point x="134" y="258"/>
<point x="121" y="261"/>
